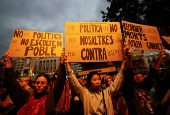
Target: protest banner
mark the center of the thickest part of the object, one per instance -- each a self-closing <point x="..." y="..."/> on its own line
<point x="92" y="28"/>
<point x="167" y="39"/>
<point x="142" y="37"/>
<point x="85" y="45"/>
<point x="36" y="44"/>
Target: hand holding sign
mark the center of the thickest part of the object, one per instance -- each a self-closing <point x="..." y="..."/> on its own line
<point x="127" y="50"/>
<point x="63" y="57"/>
<point x="163" y="53"/>
<point x="6" y="56"/>
<point x="8" y="61"/>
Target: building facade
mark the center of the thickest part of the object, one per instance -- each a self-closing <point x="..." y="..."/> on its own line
<point x="18" y="65"/>
<point x="46" y="65"/>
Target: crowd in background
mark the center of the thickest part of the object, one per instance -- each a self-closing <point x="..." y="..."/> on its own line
<point x="126" y="92"/>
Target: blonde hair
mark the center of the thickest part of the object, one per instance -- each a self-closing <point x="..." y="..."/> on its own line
<point x="27" y="78"/>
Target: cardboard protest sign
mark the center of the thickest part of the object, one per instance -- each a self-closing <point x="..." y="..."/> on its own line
<point x="142" y="37"/>
<point x="166" y="38"/>
<point x="93" y="46"/>
<point x="92" y="28"/>
<point x="36" y="44"/>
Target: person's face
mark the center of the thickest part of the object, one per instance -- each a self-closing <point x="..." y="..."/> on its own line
<point x="139" y="78"/>
<point x="109" y="81"/>
<point x="95" y="82"/>
<point x="108" y="77"/>
<point x="41" y="84"/>
<point x="23" y="83"/>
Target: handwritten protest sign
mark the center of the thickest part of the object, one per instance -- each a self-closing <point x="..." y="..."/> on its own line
<point x="93" y="41"/>
<point x="36" y="44"/>
<point x="166" y="38"/>
<point x="92" y="28"/>
<point x="142" y="37"/>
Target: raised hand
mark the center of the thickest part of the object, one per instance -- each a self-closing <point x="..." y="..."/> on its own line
<point x="8" y="61"/>
<point x="63" y="57"/>
<point x="127" y="50"/>
<point x="163" y="53"/>
<point x="6" y="56"/>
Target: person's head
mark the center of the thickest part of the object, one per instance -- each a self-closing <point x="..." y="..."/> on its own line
<point x="139" y="77"/>
<point x="109" y="80"/>
<point x="41" y="83"/>
<point x="94" y="80"/>
<point x="24" y="81"/>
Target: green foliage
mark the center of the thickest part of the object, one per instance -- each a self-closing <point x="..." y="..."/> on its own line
<point x="150" y="12"/>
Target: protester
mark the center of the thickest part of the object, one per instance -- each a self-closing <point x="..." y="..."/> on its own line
<point x="136" y="90"/>
<point x="39" y="103"/>
<point x="95" y="100"/>
<point x="108" y="80"/>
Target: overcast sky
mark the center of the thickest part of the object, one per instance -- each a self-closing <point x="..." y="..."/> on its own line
<point x="45" y="15"/>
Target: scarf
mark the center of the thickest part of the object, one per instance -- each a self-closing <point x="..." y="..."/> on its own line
<point x="64" y="103"/>
<point x="34" y="107"/>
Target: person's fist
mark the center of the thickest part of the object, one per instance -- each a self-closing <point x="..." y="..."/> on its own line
<point x="6" y="56"/>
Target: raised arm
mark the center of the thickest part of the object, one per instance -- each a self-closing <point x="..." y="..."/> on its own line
<point x="149" y="80"/>
<point x="73" y="81"/>
<point x="159" y="60"/>
<point x="129" y="76"/>
<point x="18" y="95"/>
<point x="60" y="80"/>
<point x="118" y="82"/>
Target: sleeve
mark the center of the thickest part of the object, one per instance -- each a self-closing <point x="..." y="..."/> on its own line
<point x="59" y="82"/>
<point x="75" y="85"/>
<point x="117" y="84"/>
<point x="18" y="95"/>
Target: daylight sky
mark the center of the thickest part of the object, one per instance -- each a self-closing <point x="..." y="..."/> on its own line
<point x="45" y="15"/>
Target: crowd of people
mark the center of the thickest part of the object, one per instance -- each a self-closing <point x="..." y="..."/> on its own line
<point x="127" y="92"/>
